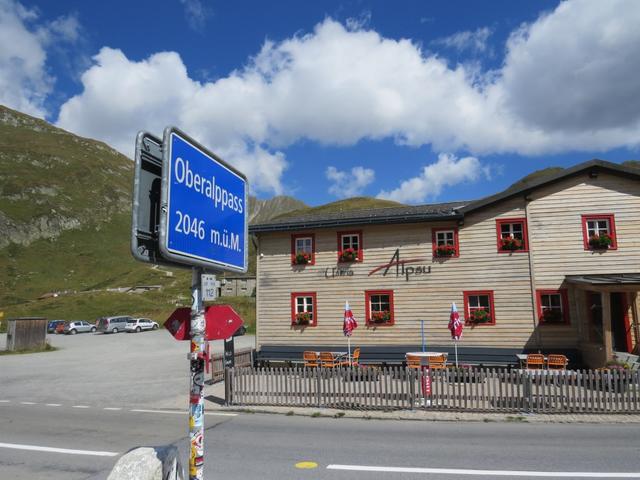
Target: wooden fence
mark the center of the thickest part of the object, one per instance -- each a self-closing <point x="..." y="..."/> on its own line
<point x="243" y="357"/>
<point x="475" y="390"/>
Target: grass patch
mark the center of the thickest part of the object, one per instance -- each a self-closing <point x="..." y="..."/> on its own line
<point x="515" y="419"/>
<point x="47" y="348"/>
<point x="315" y="414"/>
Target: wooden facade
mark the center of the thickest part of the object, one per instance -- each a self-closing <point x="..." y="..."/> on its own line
<point x="552" y="214"/>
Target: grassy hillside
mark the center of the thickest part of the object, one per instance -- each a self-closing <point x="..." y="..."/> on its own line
<point x="355" y="203"/>
<point x="64" y="227"/>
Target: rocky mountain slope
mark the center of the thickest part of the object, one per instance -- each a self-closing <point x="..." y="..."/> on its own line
<point x="65" y="208"/>
<point x="52" y="181"/>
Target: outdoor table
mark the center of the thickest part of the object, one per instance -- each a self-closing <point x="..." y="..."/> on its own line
<point x="426" y="355"/>
<point x="336" y="354"/>
<point x="426" y="377"/>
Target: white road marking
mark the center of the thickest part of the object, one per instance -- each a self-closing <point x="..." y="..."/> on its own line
<point x="492" y="473"/>
<point x="175" y="412"/>
<point x="80" y="406"/>
<point x="5" y="401"/>
<point x="112" y="408"/>
<point x="36" y="448"/>
<point x="53" y="404"/>
<point x="28" y="403"/>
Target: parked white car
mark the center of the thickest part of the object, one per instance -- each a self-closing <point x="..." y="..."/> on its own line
<point x="139" y="324"/>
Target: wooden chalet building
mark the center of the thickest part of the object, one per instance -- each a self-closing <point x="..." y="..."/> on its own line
<point x="553" y="266"/>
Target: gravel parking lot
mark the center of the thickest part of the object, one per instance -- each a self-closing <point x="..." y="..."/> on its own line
<point x="125" y="369"/>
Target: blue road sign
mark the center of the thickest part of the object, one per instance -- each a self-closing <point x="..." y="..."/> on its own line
<point x="204" y="222"/>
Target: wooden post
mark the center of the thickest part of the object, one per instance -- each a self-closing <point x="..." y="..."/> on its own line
<point x="634" y="320"/>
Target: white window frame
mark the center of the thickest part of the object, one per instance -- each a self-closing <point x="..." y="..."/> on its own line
<point x="512" y="233"/>
<point x="302" y="243"/>
<point x="596" y="230"/>
<point x="445" y="238"/>
<point x="350" y="240"/>
<point x="307" y="302"/>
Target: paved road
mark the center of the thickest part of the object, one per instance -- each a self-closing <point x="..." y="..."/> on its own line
<point x="253" y="446"/>
<point x="124" y="369"/>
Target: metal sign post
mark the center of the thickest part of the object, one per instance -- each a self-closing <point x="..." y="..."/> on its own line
<point x="190" y="209"/>
<point x="196" y="398"/>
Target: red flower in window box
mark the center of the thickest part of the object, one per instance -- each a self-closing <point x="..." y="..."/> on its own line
<point x="302" y="258"/>
<point x="348" y="255"/>
<point x="600" y="242"/>
<point x="303" y="318"/>
<point x="510" y="243"/>
<point x="480" y="315"/>
<point x="445" y="250"/>
<point x="380" y="317"/>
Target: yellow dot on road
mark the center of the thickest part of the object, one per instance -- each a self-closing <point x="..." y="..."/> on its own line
<point x="306" y="465"/>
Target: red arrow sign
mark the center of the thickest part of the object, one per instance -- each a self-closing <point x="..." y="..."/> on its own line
<point x="221" y="321"/>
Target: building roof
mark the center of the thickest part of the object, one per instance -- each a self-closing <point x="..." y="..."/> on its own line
<point x="592" y="166"/>
<point x="386" y="215"/>
<point x="432" y="212"/>
<point x="606" y="279"/>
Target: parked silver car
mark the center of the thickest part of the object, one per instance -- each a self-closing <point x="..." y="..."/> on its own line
<point x="113" y="324"/>
<point x="79" y="326"/>
<point x="139" y="324"/>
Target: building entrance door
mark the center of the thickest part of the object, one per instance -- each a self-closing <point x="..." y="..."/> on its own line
<point x="620" y="324"/>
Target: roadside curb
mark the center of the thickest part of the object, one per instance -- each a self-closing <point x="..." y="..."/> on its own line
<point x="418" y="415"/>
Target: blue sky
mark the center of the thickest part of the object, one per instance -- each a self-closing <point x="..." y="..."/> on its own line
<point x="413" y="101"/>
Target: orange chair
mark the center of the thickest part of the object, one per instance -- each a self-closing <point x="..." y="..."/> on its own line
<point x="327" y="360"/>
<point x="310" y="359"/>
<point x="535" y="361"/>
<point x="414" y="362"/>
<point x="355" y="358"/>
<point x="557" y="362"/>
<point x="438" y="362"/>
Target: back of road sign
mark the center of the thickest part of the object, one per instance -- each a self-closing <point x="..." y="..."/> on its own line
<point x="203" y="220"/>
<point x="147" y="181"/>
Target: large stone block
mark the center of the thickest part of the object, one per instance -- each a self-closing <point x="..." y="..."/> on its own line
<point x="148" y="463"/>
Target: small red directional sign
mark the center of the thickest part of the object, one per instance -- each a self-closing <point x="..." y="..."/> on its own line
<point x="221" y="321"/>
<point x="179" y="323"/>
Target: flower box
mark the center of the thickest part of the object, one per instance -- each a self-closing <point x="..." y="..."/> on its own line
<point x="302" y="259"/>
<point x="479" y="316"/>
<point x="510" y="244"/>
<point x="348" y="255"/>
<point x="303" y="318"/>
<point x="380" y="317"/>
<point x="445" y="251"/>
<point x="600" y="242"/>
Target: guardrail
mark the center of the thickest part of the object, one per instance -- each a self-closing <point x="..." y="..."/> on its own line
<point x="475" y="389"/>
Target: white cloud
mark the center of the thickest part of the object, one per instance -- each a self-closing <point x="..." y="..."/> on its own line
<point x="576" y="70"/>
<point x="349" y="183"/>
<point x="25" y="81"/>
<point x="475" y="41"/>
<point x="196" y="14"/>
<point x="448" y="171"/>
<point x="568" y="83"/>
